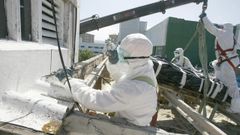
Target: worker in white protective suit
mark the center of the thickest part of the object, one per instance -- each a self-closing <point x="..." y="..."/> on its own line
<point x="227" y="59"/>
<point x="182" y="61"/>
<point x="133" y="96"/>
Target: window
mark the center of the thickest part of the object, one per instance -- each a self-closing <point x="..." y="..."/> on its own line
<point x="3" y="20"/>
<point x="25" y="9"/>
<point x="48" y="25"/>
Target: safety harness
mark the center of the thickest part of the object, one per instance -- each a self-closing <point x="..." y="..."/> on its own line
<point x="223" y="55"/>
<point x="146" y="79"/>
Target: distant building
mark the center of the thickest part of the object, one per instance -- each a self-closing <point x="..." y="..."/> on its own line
<point x="96" y="48"/>
<point x="87" y="42"/>
<point x="131" y="26"/>
<point x="113" y="38"/>
<point x="88" y="38"/>
<point x="157" y="34"/>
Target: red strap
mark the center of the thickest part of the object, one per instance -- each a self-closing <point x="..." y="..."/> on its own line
<point x="223" y="53"/>
<point x="153" y="122"/>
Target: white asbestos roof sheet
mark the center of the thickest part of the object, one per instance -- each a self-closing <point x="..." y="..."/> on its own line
<point x="32" y="110"/>
<point x="9" y="45"/>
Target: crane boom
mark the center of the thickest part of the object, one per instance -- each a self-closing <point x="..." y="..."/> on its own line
<point x="161" y="6"/>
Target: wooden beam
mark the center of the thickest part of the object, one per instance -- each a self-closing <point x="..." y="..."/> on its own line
<point x="13" y="19"/>
<point x="198" y="121"/>
<point x="36" y="11"/>
<point x="210" y="102"/>
<point x="232" y="116"/>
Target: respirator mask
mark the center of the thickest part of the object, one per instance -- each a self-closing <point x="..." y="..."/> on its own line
<point x="118" y="64"/>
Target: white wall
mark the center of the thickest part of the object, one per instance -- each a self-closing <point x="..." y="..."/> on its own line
<point x="128" y="27"/>
<point x="158" y="33"/>
<point x="22" y="63"/>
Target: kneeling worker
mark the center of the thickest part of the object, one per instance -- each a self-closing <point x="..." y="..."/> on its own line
<point x="133" y="96"/>
<point x="182" y="61"/>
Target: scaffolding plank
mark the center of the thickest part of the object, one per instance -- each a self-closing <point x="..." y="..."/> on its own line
<point x="198" y="121"/>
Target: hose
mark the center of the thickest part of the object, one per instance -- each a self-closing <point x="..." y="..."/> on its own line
<point x="60" y="52"/>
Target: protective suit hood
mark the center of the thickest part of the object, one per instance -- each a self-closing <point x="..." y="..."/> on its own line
<point x="136" y="45"/>
<point x="178" y="52"/>
<point x="133" y="52"/>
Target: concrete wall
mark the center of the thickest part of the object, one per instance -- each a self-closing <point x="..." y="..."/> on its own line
<point x="131" y="26"/>
<point x="158" y="33"/>
<point x="22" y="63"/>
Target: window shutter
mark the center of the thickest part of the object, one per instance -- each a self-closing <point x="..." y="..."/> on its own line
<point x="3" y="21"/>
<point x="48" y="25"/>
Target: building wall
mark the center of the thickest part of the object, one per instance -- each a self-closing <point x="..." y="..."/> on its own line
<point x="131" y="26"/>
<point x="21" y="62"/>
<point x="179" y="33"/>
<point x="158" y="35"/>
<point x="142" y="27"/>
<point x="113" y="38"/>
<point x="89" y="38"/>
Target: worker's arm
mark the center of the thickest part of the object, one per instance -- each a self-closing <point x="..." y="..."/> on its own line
<point x="173" y="60"/>
<point x="189" y="64"/>
<point x="210" y="26"/>
<point x="99" y="100"/>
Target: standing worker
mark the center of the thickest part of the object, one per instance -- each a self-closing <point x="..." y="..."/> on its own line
<point x="227" y="59"/>
<point x="133" y="96"/>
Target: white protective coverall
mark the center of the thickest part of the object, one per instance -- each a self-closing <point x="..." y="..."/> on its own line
<point x="227" y="53"/>
<point x="182" y="61"/>
<point x="132" y="96"/>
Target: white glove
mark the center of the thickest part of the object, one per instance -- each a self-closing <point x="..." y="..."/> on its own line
<point x="76" y="85"/>
<point x="60" y="91"/>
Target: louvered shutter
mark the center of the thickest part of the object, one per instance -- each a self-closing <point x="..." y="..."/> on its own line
<point x="48" y="25"/>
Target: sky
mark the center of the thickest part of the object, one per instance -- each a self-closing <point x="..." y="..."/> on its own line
<point x="218" y="11"/>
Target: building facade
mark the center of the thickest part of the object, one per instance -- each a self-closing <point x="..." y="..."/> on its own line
<point x="88" y="38"/>
<point x="28" y="41"/>
<point x="96" y="48"/>
<point x="131" y="26"/>
<point x="87" y="42"/>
